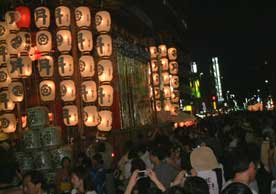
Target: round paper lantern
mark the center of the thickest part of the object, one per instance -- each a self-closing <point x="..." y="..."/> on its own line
<point x="89" y="91"/>
<point x="172" y="54"/>
<point x="105" y="120"/>
<point x="175" y="96"/>
<point x="167" y="105"/>
<point x="162" y="49"/>
<point x="83" y="16"/>
<point x="174" y="109"/>
<point x="68" y="90"/>
<point x="11" y="17"/>
<point x="42" y="17"/>
<point x="167" y="91"/>
<point x="24" y="20"/>
<point x="44" y="41"/>
<point x="46" y="66"/>
<point x="175" y="81"/>
<point x="166" y="78"/>
<point x="4" y="54"/>
<point x="47" y="90"/>
<point x="105" y="95"/>
<point x="8" y="123"/>
<point x="103" y="21"/>
<point x="6" y="104"/>
<point x="13" y="43"/>
<point x="62" y="15"/>
<point x="173" y="67"/>
<point x="165" y="64"/>
<point x="65" y="65"/>
<point x="70" y="115"/>
<point x="158" y="105"/>
<point x="154" y="65"/>
<point x="4" y="31"/>
<point x="87" y="66"/>
<point x="16" y="91"/>
<point x="20" y="67"/>
<point x="85" y="41"/>
<point x="104" y="45"/>
<point x="155" y="77"/>
<point x="153" y="52"/>
<point x="90" y="116"/>
<point x="157" y="92"/>
<point x="64" y="40"/>
<point x="5" y="78"/>
<point x="105" y="70"/>
<point x="24" y="41"/>
<point x="150" y="92"/>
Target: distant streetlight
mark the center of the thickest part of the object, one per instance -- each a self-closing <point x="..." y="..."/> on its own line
<point x="258" y="90"/>
<point x="266" y="81"/>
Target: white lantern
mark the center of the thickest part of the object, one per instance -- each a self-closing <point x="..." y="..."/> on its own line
<point x="105" y="120"/>
<point x="13" y="43"/>
<point x="20" y="67"/>
<point x="153" y="52"/>
<point x="158" y="105"/>
<point x="104" y="45"/>
<point x="68" y="90"/>
<point x="16" y="91"/>
<point x="14" y="67"/>
<point x="89" y="91"/>
<point x="24" y="41"/>
<point x="70" y="115"/>
<point x="157" y="92"/>
<point x="65" y="65"/>
<point x="4" y="54"/>
<point x="11" y="17"/>
<point x="42" y="17"/>
<point x="175" y="96"/>
<point x="5" y="78"/>
<point x="174" y="109"/>
<point x="83" y="16"/>
<point x="62" y="15"/>
<point x="46" y="66"/>
<point x="85" y="41"/>
<point x="162" y="49"/>
<point x="166" y="78"/>
<point x="105" y="70"/>
<point x="167" y="91"/>
<point x="6" y="104"/>
<point x="90" y="116"/>
<point x="150" y="92"/>
<point x="175" y="81"/>
<point x="156" y="80"/>
<point x="8" y="123"/>
<point x="172" y="53"/>
<point x="103" y="21"/>
<point x="27" y="68"/>
<point x="4" y="31"/>
<point x="167" y="105"/>
<point x="165" y="64"/>
<point x="173" y="67"/>
<point x="64" y="40"/>
<point x="44" y="41"/>
<point x="87" y="66"/>
<point x="47" y="90"/>
<point x="105" y="95"/>
<point x="154" y="65"/>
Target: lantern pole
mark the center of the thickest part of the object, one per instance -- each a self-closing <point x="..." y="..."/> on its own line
<point x="19" y="115"/>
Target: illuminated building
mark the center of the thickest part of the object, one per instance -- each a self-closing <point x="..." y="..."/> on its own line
<point x="217" y="79"/>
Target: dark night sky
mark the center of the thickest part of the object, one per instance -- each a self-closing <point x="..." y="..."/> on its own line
<point x="241" y="33"/>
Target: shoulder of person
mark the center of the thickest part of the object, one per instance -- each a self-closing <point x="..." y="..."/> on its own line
<point x="91" y="192"/>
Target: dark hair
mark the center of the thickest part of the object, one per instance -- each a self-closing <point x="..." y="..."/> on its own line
<point x="237" y="188"/>
<point x="241" y="162"/>
<point x="196" y="185"/>
<point x="158" y="152"/>
<point x="100" y="147"/>
<point x="63" y="159"/>
<point x="176" y="190"/>
<point x="83" y="173"/>
<point x="36" y="177"/>
<point x="137" y="164"/>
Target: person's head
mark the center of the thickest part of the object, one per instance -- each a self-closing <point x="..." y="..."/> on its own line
<point x="137" y="164"/>
<point x="65" y="162"/>
<point x="195" y="185"/>
<point x="176" y="190"/>
<point x="237" y="188"/>
<point x="157" y="154"/>
<point x="82" y="180"/>
<point x="33" y="183"/>
<point x="100" y="147"/>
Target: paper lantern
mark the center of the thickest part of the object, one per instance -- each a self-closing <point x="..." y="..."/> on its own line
<point x="70" y="115"/>
<point x="46" y="66"/>
<point x="68" y="90"/>
<point x="162" y="49"/>
<point x="6" y="104"/>
<point x="167" y="91"/>
<point x="62" y="15"/>
<point x="27" y="68"/>
<point x="11" y="17"/>
<point x="173" y="67"/>
<point x="42" y="17"/>
<point x="154" y="65"/>
<point x="166" y="78"/>
<point x="89" y="91"/>
<point x="87" y="66"/>
<point x="175" y="96"/>
<point x="158" y="105"/>
<point x="103" y="21"/>
<point x="90" y="116"/>
<point x="85" y="41"/>
<point x="164" y="64"/>
<point x="172" y="54"/>
<point x="47" y="90"/>
<point x="13" y="43"/>
<point x="4" y="54"/>
<point x="16" y="91"/>
<point x="65" y="65"/>
<point x="157" y="92"/>
<point x="105" y="120"/>
<point x="23" y="41"/>
<point x="34" y="53"/>
<point x="5" y="78"/>
<point x="4" y="31"/>
<point x="64" y="40"/>
<point x="167" y="105"/>
<point x="105" y="70"/>
<point x="156" y="80"/>
<point x="174" y="109"/>
<point x="105" y="95"/>
<point x="37" y="117"/>
<point x="8" y="123"/>
<point x="104" y="45"/>
<point x="83" y="16"/>
<point x="24" y="20"/>
<point x="20" y="67"/>
<point x="175" y="81"/>
<point x="44" y="41"/>
<point x="153" y="52"/>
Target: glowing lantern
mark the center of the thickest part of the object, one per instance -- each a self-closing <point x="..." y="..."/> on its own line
<point x="155" y="78"/>
<point x="44" y="41"/>
<point x="165" y="64"/>
<point x="85" y="41"/>
<point x="174" y="109"/>
<point x="87" y="66"/>
<point x="47" y="90"/>
<point x="150" y="92"/>
<point x="16" y="91"/>
<point x="68" y="90"/>
<point x="104" y="45"/>
<point x="89" y="91"/>
<point x="20" y="67"/>
<point x="4" y="31"/>
<point x="34" y="53"/>
<point x="24" y="20"/>
<point x="8" y="123"/>
<point x="42" y="17"/>
<point x="27" y="68"/>
<point x="11" y="17"/>
<point x="162" y="49"/>
<point x="173" y="67"/>
<point x="175" y="96"/>
<point x="5" y="78"/>
<point x="167" y="91"/>
<point x="64" y="40"/>
<point x="4" y="54"/>
<point x="153" y="52"/>
<point x="157" y="92"/>
<point x="6" y="103"/>
<point x="103" y="21"/>
<point x="13" y="43"/>
<point x="65" y="65"/>
<point x="46" y="66"/>
<point x="70" y="115"/>
<point x="105" y="95"/>
<point x="172" y="54"/>
<point x="62" y="15"/>
<point x="105" y="120"/>
<point x="158" y="105"/>
<point x="166" y="78"/>
<point x="24" y="41"/>
<point x="105" y="70"/>
<point x="175" y="81"/>
<point x="90" y="116"/>
<point x="154" y="65"/>
<point x="167" y="105"/>
<point x="83" y="16"/>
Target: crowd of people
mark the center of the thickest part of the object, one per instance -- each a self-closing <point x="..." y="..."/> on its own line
<point x="227" y="154"/>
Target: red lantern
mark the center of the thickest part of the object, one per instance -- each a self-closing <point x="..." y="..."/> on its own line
<point x="24" y="18"/>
